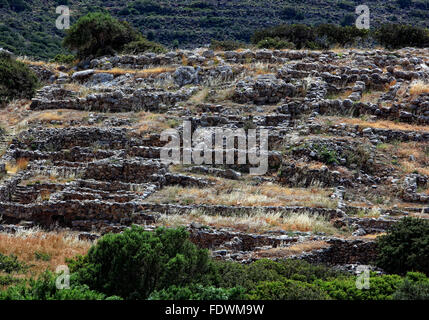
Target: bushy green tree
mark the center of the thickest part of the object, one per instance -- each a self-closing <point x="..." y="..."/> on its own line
<point x="98" y="34"/>
<point x="17" y="80"/>
<point x="135" y="263"/>
<point x="398" y="36"/>
<point x="405" y="247"/>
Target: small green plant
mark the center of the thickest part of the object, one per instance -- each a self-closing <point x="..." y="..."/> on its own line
<point x="42" y="256"/>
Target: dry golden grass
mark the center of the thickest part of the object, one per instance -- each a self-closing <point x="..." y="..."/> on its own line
<point x="418" y="87"/>
<point x="148" y="122"/>
<point x="19" y="165"/>
<point x="45" y="117"/>
<point x="255" y="222"/>
<point x="200" y="96"/>
<point x="50" y="65"/>
<point x="145" y="73"/>
<point x="381" y="124"/>
<point x="238" y="193"/>
<point x="403" y="150"/>
<point x="294" y="249"/>
<point x="56" y="247"/>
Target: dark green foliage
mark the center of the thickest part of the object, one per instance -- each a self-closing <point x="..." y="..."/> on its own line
<point x="16" y="80"/>
<point x="229" y="275"/>
<point x="291" y="13"/>
<point x="197" y="292"/>
<point x="404" y="3"/>
<point x="44" y="288"/>
<point x="98" y="34"/>
<point x="143" y="45"/>
<point x="64" y="58"/>
<point x="311" y="36"/>
<point x="135" y="263"/>
<point x="191" y="23"/>
<point x="227" y="45"/>
<point x="348" y="20"/>
<point x="398" y="36"/>
<point x="11" y="264"/>
<point x="287" y="290"/>
<point x="18" y="5"/>
<point x="381" y="288"/>
<point x="414" y="287"/>
<point x="4" y="4"/>
<point x="405" y="247"/>
<point x="276" y="43"/>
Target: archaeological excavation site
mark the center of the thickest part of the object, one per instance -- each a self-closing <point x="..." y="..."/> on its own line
<point x="341" y="133"/>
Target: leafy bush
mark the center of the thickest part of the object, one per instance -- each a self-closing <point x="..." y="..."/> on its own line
<point x="10" y="264"/>
<point x="381" y="288"/>
<point x="64" y="58"/>
<point x="99" y="34"/>
<point x="229" y="274"/>
<point x="287" y="290"/>
<point x="16" y="80"/>
<point x="197" y="292"/>
<point x="414" y="287"/>
<point x="405" y="247"/>
<point x="44" y="288"/>
<point x="135" y="263"/>
<point x="226" y="45"/>
<point x="143" y="45"/>
<point x="397" y="36"/>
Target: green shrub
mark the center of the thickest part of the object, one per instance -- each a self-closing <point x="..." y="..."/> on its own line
<point x="64" y="58"/>
<point x="197" y="292"/>
<point x="414" y="287"/>
<point x="16" y="80"/>
<point x="381" y="288"/>
<point x="11" y="264"/>
<point x="287" y="290"/>
<point x="44" y="288"/>
<point x="405" y="247"/>
<point x="398" y="36"/>
<point x="99" y="34"/>
<point x="135" y="263"/>
<point x="143" y="45"/>
<point x="229" y="274"/>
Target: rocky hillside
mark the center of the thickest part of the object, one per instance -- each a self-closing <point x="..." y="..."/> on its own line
<point x="348" y="149"/>
<point x="28" y="27"/>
